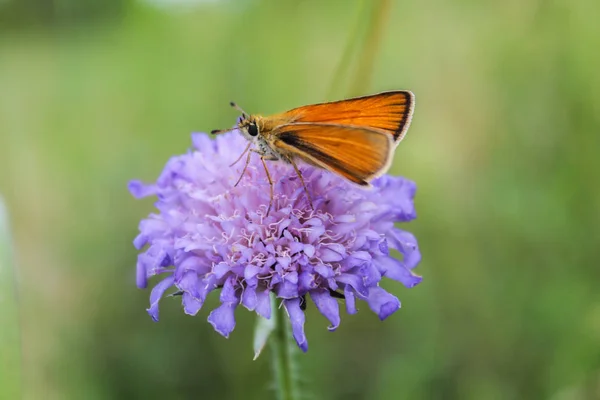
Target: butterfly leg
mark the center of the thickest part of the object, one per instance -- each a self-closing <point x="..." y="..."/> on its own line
<point x="262" y="158"/>
<point x="302" y="180"/>
<point x="241" y="155"/>
<point x="245" y="166"/>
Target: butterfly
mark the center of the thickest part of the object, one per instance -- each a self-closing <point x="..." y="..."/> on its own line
<point x="353" y="138"/>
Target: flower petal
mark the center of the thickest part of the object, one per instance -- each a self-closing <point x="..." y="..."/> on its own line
<point x="140" y="241"/>
<point x="223" y="319"/>
<point x="249" y="298"/>
<point x="328" y="306"/>
<point x="309" y="250"/>
<point x="202" y="142"/>
<point x="221" y="269"/>
<point x="405" y="243"/>
<point x="306" y="282"/>
<point x="189" y="283"/>
<point x="357" y="283"/>
<point x="263" y="303"/>
<point x="382" y="303"/>
<point x="141" y="275"/>
<point x="333" y="252"/>
<point x="297" y="317"/>
<point x="228" y="293"/>
<point x="394" y="269"/>
<point x="156" y="295"/>
<point x="350" y="300"/>
<point x="287" y="290"/>
<point x="191" y="305"/>
<point x="140" y="190"/>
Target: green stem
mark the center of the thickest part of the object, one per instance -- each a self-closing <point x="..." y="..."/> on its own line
<point x="377" y="23"/>
<point x="10" y="335"/>
<point x="345" y="60"/>
<point x="283" y="349"/>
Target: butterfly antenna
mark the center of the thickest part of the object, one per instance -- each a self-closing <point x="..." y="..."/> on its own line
<point x="244" y="113"/>
<point x="217" y="131"/>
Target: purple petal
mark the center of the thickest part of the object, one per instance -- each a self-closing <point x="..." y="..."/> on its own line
<point x="383" y="247"/>
<point x="287" y="290"/>
<point x="221" y="269"/>
<point x="292" y="277"/>
<point x="356" y="282"/>
<point x="296" y="316"/>
<point x="283" y="225"/>
<point x="306" y="282"/>
<point x="249" y="298"/>
<point x="315" y="233"/>
<point x="172" y="168"/>
<point x="140" y="241"/>
<point x="191" y="305"/>
<point x="189" y="283"/>
<point x="206" y="286"/>
<point x="263" y="303"/>
<point x="371" y="274"/>
<point x="309" y="250"/>
<point x="356" y="259"/>
<point x="193" y="263"/>
<point x="251" y="271"/>
<point x="202" y="142"/>
<point x="333" y="252"/>
<point x="405" y="243"/>
<point x="396" y="270"/>
<point x="153" y="258"/>
<point x="296" y="247"/>
<point x="223" y="319"/>
<point x="350" y="300"/>
<point x="345" y="218"/>
<point x="382" y="303"/>
<point x="228" y="293"/>
<point x="324" y="270"/>
<point x="141" y="277"/>
<point x="139" y="190"/>
<point x="156" y="295"/>
<point x="328" y="306"/>
<point x="284" y="262"/>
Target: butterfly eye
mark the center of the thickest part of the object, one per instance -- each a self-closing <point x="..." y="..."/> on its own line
<point x="252" y="130"/>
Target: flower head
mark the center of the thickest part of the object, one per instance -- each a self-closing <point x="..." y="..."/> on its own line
<point x="210" y="235"/>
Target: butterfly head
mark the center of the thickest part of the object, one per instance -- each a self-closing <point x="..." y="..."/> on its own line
<point x="248" y="125"/>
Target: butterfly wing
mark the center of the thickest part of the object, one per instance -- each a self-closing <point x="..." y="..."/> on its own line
<point x="387" y="111"/>
<point x="356" y="153"/>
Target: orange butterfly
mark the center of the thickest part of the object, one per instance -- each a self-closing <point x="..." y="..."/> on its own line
<point x="353" y="138"/>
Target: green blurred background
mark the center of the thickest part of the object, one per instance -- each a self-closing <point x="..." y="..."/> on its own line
<point x="504" y="147"/>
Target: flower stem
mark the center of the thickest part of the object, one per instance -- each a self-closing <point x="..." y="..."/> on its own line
<point x="346" y="59"/>
<point x="283" y="349"/>
<point x="10" y="335"/>
<point x="370" y="46"/>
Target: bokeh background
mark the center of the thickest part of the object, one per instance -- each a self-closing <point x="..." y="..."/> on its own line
<point x="504" y="147"/>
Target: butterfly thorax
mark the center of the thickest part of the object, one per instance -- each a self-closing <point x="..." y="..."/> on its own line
<point x="259" y="131"/>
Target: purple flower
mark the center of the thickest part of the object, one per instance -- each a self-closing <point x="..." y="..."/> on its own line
<point x="211" y="235"/>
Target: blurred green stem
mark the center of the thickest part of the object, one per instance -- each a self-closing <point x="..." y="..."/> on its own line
<point x="10" y="338"/>
<point x="283" y="349"/>
<point x="376" y="15"/>
<point x="368" y="53"/>
<point x="345" y="60"/>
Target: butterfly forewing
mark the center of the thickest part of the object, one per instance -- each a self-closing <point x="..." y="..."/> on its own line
<point x="356" y="153"/>
<point x="388" y="111"/>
